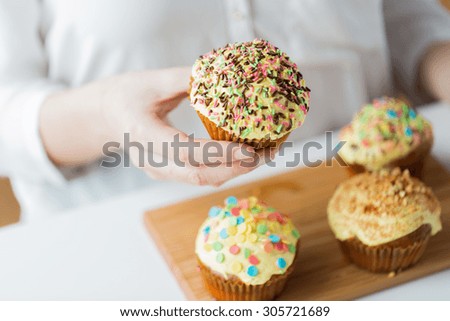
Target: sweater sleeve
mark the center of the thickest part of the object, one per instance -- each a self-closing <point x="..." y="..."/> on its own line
<point x="24" y="85"/>
<point x="412" y="26"/>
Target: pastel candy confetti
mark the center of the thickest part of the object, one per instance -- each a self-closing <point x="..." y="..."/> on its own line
<point x="391" y="113"/>
<point x="236" y="267"/>
<point x="223" y="234"/>
<point x="268" y="247"/>
<point x="255" y="210"/>
<point x="292" y="248"/>
<point x="235" y="211"/>
<point x="408" y="131"/>
<point x="252" y="246"/>
<point x="231" y="200"/>
<point x="253" y="260"/>
<point x="274" y="238"/>
<point x="252" y="271"/>
<point x="214" y="211"/>
<point x="235" y="249"/>
<point x="217" y="246"/>
<point x="412" y="114"/>
<point x="281" y="263"/>
<point x="243" y="203"/>
<point x="220" y="257"/>
<point x="232" y="230"/>
<point x="280" y="246"/>
<point x="261" y="228"/>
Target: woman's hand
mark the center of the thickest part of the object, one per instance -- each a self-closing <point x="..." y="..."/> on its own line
<point x="435" y="72"/>
<point x="75" y="125"/>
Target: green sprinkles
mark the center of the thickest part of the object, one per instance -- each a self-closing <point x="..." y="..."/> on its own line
<point x="217" y="246"/>
<point x="261" y="228"/>
<point x="220" y="257"/>
<point x="291" y="248"/>
<point x="233" y="220"/>
<point x="232" y="78"/>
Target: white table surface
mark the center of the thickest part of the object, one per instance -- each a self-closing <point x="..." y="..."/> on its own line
<point x="103" y="251"/>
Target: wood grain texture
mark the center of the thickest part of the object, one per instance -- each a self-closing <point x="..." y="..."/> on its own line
<point x="9" y="208"/>
<point x="322" y="272"/>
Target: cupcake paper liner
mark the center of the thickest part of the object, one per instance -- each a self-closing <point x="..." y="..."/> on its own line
<point x="218" y="133"/>
<point x="233" y="289"/>
<point x="390" y="257"/>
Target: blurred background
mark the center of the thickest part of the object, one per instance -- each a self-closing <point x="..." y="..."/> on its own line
<point x="10" y="209"/>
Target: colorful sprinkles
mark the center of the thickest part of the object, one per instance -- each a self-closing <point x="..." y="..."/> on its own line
<point x="252" y="241"/>
<point x="383" y="131"/>
<point x="250" y="88"/>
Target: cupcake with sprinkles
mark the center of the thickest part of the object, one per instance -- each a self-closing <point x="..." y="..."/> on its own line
<point x="249" y="92"/>
<point x="246" y="250"/>
<point x="384" y="135"/>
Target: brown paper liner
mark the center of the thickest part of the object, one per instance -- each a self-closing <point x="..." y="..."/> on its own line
<point x="414" y="162"/>
<point x="218" y="133"/>
<point x="390" y="257"/>
<point x="233" y="289"/>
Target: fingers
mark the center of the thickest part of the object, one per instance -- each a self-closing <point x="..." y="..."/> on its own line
<point x="170" y="81"/>
<point x="181" y="148"/>
<point x="205" y="174"/>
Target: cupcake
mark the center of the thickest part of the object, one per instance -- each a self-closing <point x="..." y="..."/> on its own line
<point x="249" y="92"/>
<point x="383" y="220"/>
<point x="387" y="134"/>
<point x="246" y="250"/>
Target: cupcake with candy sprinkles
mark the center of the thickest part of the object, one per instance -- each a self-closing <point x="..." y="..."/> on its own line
<point x="387" y="134"/>
<point x="249" y="92"/>
<point x="246" y="250"/>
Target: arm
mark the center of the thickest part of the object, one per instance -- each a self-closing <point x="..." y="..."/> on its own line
<point x="417" y="31"/>
<point x="44" y="124"/>
<point x="76" y="123"/>
<point x="434" y="77"/>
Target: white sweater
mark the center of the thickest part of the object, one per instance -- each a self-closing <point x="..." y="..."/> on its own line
<point x="48" y="45"/>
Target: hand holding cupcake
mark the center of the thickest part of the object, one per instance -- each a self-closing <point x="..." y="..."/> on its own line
<point x="249" y="92"/>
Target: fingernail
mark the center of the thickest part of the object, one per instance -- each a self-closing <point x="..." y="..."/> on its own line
<point x="244" y="153"/>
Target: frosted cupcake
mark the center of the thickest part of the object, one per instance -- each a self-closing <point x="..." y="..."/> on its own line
<point x="246" y="250"/>
<point x="249" y="92"/>
<point x="387" y="134"/>
<point x="383" y="220"/>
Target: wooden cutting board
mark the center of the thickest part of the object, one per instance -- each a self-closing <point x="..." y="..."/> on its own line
<point x="322" y="272"/>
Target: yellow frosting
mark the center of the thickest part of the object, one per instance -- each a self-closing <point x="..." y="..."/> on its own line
<point x="250" y="89"/>
<point x="247" y="239"/>
<point x="383" y="132"/>
<point x="381" y="207"/>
